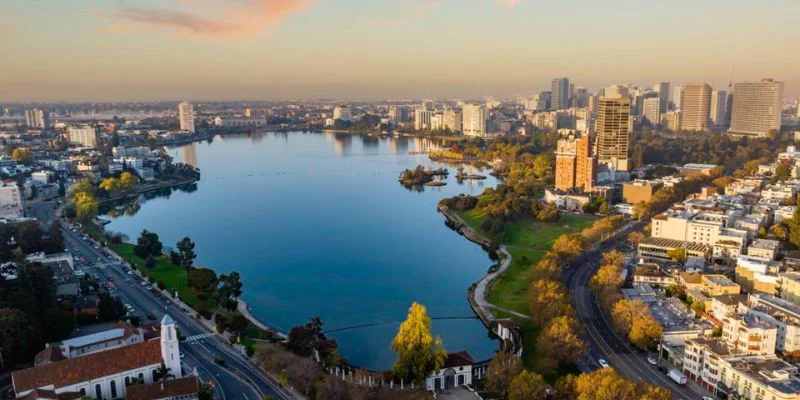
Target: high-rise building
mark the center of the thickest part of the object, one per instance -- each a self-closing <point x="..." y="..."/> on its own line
<point x="36" y="119"/>
<point x="719" y="108"/>
<point x="397" y="114"/>
<point x="83" y="135"/>
<point x="695" y="107"/>
<point x="616" y="92"/>
<point x="652" y="110"/>
<point x="575" y="166"/>
<point x="663" y="94"/>
<point x="613" y="134"/>
<point x="452" y="120"/>
<point x="559" y="94"/>
<point x="474" y="120"/>
<point x="756" y="108"/>
<point x="581" y="97"/>
<point x="186" y="116"/>
<point x="343" y="113"/>
<point x="677" y="97"/>
<point x="422" y="118"/>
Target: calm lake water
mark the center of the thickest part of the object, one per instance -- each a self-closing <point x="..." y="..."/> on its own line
<point x="318" y="225"/>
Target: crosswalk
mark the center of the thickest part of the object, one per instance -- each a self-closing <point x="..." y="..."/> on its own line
<point x="195" y="338"/>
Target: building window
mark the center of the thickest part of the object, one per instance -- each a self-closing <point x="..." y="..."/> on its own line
<point x="83" y="392"/>
<point x="113" y="389"/>
<point x="141" y="377"/>
<point x="127" y="380"/>
<point x="98" y="392"/>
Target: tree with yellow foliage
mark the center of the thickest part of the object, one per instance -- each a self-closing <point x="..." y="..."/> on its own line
<point x="501" y="371"/>
<point x="548" y="299"/>
<point x="22" y="154"/>
<point x="527" y="386"/>
<point x="607" y="384"/>
<point x="110" y="185"/>
<point x="635" y="320"/>
<point x="85" y="206"/>
<point x="418" y="352"/>
<point x="561" y="340"/>
<point x="128" y="180"/>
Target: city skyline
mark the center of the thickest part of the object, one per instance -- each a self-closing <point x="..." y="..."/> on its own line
<point x="145" y="50"/>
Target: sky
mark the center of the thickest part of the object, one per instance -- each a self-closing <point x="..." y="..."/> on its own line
<point x="142" y="50"/>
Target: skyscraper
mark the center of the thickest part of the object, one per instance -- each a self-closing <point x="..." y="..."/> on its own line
<point x="559" y="94"/>
<point x="613" y="135"/>
<point x="186" y="116"/>
<point x="652" y="110"/>
<point x="36" y="119"/>
<point x="474" y="120"/>
<point x="696" y="107"/>
<point x="663" y="94"/>
<point x="616" y="91"/>
<point x="677" y="97"/>
<point x="422" y="118"/>
<point x="756" y="108"/>
<point x="719" y="108"/>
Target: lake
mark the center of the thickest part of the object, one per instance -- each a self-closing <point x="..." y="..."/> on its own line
<point x="318" y="225"/>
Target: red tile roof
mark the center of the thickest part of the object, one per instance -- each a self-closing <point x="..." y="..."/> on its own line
<point x="88" y="367"/>
<point x="163" y="390"/>
<point x="460" y="359"/>
<point x="51" y="395"/>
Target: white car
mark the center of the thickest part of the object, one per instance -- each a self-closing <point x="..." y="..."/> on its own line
<point x="652" y="360"/>
<point x="708" y="398"/>
<point x="603" y="363"/>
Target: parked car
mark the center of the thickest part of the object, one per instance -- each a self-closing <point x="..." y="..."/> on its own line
<point x="652" y="360"/>
<point x="603" y="363"/>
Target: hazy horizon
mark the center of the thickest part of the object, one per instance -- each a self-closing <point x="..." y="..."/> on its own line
<point x="263" y="50"/>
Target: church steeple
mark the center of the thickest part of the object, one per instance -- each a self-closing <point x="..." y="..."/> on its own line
<point x="170" y="350"/>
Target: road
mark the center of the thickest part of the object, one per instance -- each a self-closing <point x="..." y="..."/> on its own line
<point x="237" y="379"/>
<point x="604" y="342"/>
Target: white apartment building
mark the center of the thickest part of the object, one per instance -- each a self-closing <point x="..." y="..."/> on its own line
<point x="343" y="113"/>
<point x="784" y="314"/>
<point x="779" y="192"/>
<point x="474" y="120"/>
<point x="453" y="120"/>
<point x="422" y="119"/>
<point x="707" y="228"/>
<point x="36" y="119"/>
<point x="83" y="135"/>
<point x="232" y="122"/>
<point x="756" y="108"/>
<point x="10" y="201"/>
<point x="783" y="212"/>
<point x="186" y="116"/>
<point x="749" y="334"/>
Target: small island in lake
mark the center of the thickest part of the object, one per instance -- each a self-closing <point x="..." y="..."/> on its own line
<point x="461" y="175"/>
<point x="420" y="176"/>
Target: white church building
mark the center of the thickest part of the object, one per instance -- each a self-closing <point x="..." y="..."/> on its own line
<point x="105" y="374"/>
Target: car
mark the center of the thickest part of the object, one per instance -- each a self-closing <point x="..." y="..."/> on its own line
<point x="652" y="360"/>
<point x="708" y="398"/>
<point x="183" y="355"/>
<point x="130" y="272"/>
<point x="603" y="363"/>
<point x="151" y="317"/>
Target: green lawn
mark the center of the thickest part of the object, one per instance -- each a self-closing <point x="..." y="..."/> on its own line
<point x="527" y="241"/>
<point x="173" y="277"/>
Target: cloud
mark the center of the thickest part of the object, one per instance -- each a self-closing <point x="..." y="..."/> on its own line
<point x="206" y="18"/>
<point x="508" y="3"/>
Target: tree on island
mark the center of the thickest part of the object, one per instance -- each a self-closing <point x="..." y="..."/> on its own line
<point x="418" y="352"/>
<point x="186" y="252"/>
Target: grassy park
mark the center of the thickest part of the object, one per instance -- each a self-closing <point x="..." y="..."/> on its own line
<point x="172" y="276"/>
<point x="527" y="240"/>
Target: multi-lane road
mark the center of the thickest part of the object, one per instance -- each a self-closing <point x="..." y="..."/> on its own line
<point x="604" y="341"/>
<point x="233" y="375"/>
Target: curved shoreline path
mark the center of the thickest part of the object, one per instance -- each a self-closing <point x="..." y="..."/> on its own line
<point x="477" y="296"/>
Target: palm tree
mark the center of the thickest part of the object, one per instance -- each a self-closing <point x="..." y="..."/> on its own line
<point x="163" y="373"/>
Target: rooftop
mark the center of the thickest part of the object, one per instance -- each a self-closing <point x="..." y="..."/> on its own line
<point x="99" y="337"/>
<point x="672" y="244"/>
<point x="720" y="280"/>
<point x="731" y="299"/>
<point x="769" y="371"/>
<point x="163" y="390"/>
<point x="765" y="244"/>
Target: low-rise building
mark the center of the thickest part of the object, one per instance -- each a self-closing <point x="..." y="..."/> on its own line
<point x="765" y="249"/>
<point x="652" y="274"/>
<point x="749" y="334"/>
<point x="781" y="313"/>
<point x="723" y="305"/>
<point x="698" y="169"/>
<point x="656" y="249"/>
<point x="717" y="285"/>
<point x="456" y="372"/>
<point x="789" y="286"/>
<point x="756" y="275"/>
<point x="10" y="201"/>
<point x="639" y="190"/>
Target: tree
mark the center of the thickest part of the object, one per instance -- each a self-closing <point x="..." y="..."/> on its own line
<point x="699" y="307"/>
<point x="527" y="386"/>
<point x="501" y="371"/>
<point x="635" y="238"/>
<point x="22" y="154"/>
<point x="548" y="267"/>
<point x="230" y="290"/>
<point x="203" y="280"/>
<point x="127" y="180"/>
<point x="567" y="247"/>
<point x="163" y="373"/>
<point x="19" y="339"/>
<point x="677" y="255"/>
<point x="148" y="244"/>
<point x="303" y="338"/>
<point x="548" y="214"/>
<point x="418" y="352"/>
<point x="86" y="206"/>
<point x="604" y="384"/>
<point x="634" y="319"/>
<point x="186" y="252"/>
<point x="561" y="340"/>
<point x="780" y="231"/>
<point x="110" y="185"/>
<point x="542" y="164"/>
<point x="548" y="299"/>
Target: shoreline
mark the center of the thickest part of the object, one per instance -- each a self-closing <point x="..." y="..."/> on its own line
<point x="476" y="294"/>
<point x="153" y="188"/>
